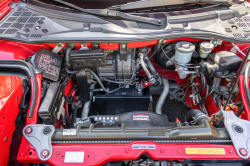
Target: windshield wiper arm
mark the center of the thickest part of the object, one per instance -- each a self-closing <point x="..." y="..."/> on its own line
<point x="154" y="3"/>
<point x="113" y="14"/>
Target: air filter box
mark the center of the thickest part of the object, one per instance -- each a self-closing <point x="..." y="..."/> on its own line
<point x="81" y="59"/>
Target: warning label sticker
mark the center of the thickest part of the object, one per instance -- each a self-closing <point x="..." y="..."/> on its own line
<point x="215" y="151"/>
<point x="74" y="157"/>
<point x="143" y="146"/>
<point x="140" y="117"/>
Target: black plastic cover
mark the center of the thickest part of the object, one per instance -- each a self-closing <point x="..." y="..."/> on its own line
<point x="51" y="103"/>
<point x="144" y="119"/>
<point x="81" y="59"/>
<point x="227" y="61"/>
<point x="48" y="63"/>
<point x="223" y="62"/>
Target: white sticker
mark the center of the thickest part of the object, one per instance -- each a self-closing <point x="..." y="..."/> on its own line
<point x="140" y="117"/>
<point x="69" y="132"/>
<point x="74" y="157"/>
<point x="143" y="146"/>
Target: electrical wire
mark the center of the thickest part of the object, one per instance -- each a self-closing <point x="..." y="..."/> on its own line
<point x="100" y="83"/>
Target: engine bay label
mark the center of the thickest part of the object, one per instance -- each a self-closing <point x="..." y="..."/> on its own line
<point x="74" y="157"/>
<point x="141" y="117"/>
<point x="143" y="146"/>
<point x="69" y="132"/>
<point x="216" y="151"/>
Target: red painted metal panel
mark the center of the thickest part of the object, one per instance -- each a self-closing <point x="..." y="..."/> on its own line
<point x="10" y="96"/>
<point x="99" y="154"/>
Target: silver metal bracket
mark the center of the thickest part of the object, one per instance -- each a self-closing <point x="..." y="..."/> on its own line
<point x="239" y="132"/>
<point x="40" y="137"/>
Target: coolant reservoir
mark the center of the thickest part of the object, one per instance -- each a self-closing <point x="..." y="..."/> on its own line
<point x="183" y="52"/>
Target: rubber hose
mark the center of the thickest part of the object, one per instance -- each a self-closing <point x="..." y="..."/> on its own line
<point x="163" y="96"/>
<point x="154" y="72"/>
<point x="100" y="83"/>
<point x="203" y="84"/>
<point x="246" y="86"/>
<point x="86" y="107"/>
<point x="241" y="109"/>
<point x="70" y="47"/>
<point x="156" y="49"/>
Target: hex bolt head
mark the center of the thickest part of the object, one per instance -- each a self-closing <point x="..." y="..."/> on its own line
<point x="28" y="130"/>
<point x="243" y="151"/>
<point x="46" y="130"/>
<point x="45" y="153"/>
<point x="238" y="129"/>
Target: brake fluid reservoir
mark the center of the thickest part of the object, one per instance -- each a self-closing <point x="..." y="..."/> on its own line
<point x="205" y="49"/>
<point x="183" y="52"/>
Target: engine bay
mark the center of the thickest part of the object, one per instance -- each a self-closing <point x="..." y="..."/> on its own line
<point x="136" y="90"/>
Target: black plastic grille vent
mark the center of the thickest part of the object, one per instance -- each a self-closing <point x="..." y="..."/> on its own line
<point x="246" y="19"/>
<point x="2" y="31"/>
<point x="35" y="14"/>
<point x="27" y="14"/>
<point x="36" y="35"/>
<point x="17" y="25"/>
<point x="247" y="34"/>
<point x="237" y="35"/>
<point x="33" y="19"/>
<point x="238" y="20"/>
<point x="248" y="24"/>
<point x="11" y="31"/>
<point x="22" y="19"/>
<point x="17" y="14"/>
<point x="23" y="35"/>
<point x="42" y="18"/>
<point x="5" y="25"/>
<point x="28" y="25"/>
<point x="242" y="25"/>
<point x="19" y="9"/>
<point x="11" y="19"/>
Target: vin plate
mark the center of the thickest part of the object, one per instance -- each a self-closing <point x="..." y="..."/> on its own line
<point x="143" y="146"/>
<point x="74" y="157"/>
<point x="69" y="132"/>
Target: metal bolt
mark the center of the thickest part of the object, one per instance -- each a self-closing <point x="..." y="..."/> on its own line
<point x="123" y="46"/>
<point x="108" y="153"/>
<point x="238" y="129"/>
<point x="179" y="151"/>
<point x="127" y="150"/>
<point x="57" y="153"/>
<point x="47" y="130"/>
<point x="228" y="30"/>
<point x="37" y="27"/>
<point x="5" y="139"/>
<point x="16" y="98"/>
<point x="230" y="151"/>
<point x="28" y="130"/>
<point x="162" y="151"/>
<point x="45" y="153"/>
<point x="243" y="152"/>
<point x="159" y="22"/>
